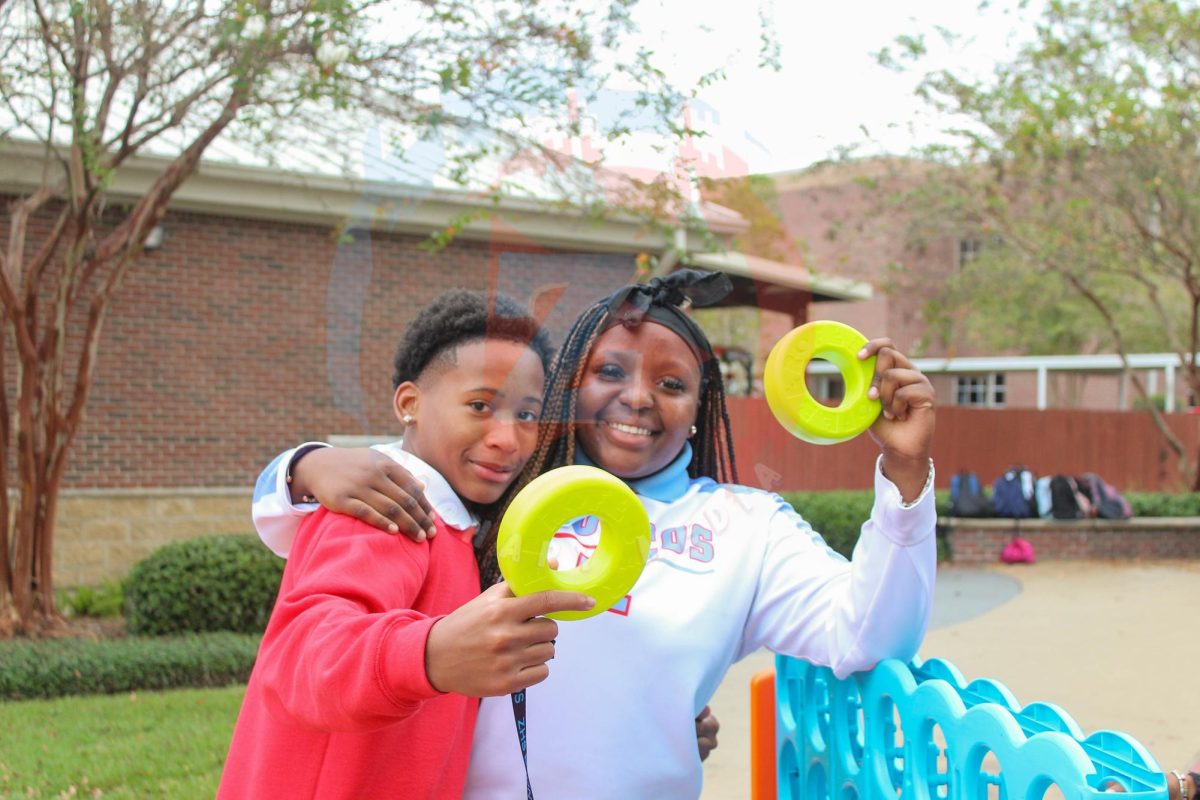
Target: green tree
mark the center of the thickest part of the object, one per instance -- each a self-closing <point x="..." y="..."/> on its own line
<point x="757" y="200"/>
<point x="86" y="86"/>
<point x="1075" y="166"/>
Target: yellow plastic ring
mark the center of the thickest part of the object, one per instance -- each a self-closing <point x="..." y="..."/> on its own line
<point x="557" y="497"/>
<point x="787" y="393"/>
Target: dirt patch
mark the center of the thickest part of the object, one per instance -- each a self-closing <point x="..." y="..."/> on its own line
<point x="92" y="628"/>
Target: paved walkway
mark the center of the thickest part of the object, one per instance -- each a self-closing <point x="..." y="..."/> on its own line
<point x="1116" y="645"/>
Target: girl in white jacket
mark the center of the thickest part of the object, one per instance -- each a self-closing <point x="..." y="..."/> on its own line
<point x="637" y="391"/>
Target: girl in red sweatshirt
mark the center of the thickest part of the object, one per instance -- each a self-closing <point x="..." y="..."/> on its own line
<point x="366" y="681"/>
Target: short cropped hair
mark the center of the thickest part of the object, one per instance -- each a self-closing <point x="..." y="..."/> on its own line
<point x="460" y="317"/>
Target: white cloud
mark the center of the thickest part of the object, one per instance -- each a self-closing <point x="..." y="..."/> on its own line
<point x="830" y="92"/>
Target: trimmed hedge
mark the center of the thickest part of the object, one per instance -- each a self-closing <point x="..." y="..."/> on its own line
<point x="213" y="583"/>
<point x="57" y="667"/>
<point x="1164" y="504"/>
<point x="839" y="516"/>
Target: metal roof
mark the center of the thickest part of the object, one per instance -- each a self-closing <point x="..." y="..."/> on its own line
<point x="778" y="273"/>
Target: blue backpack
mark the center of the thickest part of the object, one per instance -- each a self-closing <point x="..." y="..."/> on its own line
<point x="1012" y="493"/>
<point x="966" y="496"/>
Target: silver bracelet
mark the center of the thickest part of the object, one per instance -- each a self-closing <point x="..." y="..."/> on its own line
<point x="1182" y="784"/>
<point x="924" y="489"/>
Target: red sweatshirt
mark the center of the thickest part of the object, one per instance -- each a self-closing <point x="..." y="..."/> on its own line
<point x="338" y="705"/>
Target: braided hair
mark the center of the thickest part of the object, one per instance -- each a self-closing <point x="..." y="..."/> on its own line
<point x="712" y="445"/>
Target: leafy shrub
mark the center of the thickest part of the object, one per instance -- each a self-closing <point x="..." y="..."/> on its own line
<point x="105" y="600"/>
<point x="214" y="583"/>
<point x="942" y="499"/>
<point x="57" y="667"/>
<point x="1158" y="401"/>
<point x="1164" y="504"/>
<point x="839" y="516"/>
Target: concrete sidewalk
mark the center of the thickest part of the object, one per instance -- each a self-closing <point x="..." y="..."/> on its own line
<point x="1116" y="645"/>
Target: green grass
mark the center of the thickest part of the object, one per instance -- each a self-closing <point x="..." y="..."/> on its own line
<point x="134" y="745"/>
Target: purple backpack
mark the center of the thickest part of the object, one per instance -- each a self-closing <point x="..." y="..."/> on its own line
<point x="1107" y="501"/>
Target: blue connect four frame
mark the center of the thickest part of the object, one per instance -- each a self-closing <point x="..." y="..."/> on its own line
<point x="920" y="731"/>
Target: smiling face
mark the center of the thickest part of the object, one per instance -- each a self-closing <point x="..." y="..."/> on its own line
<point x="475" y="411"/>
<point x="638" y="399"/>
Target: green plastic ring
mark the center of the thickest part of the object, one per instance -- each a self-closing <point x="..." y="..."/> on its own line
<point x="787" y="393"/>
<point x="556" y="497"/>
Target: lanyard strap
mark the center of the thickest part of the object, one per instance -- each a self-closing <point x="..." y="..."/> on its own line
<point x="518" y="704"/>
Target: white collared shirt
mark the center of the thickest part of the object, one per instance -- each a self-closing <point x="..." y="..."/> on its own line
<point x="276" y="517"/>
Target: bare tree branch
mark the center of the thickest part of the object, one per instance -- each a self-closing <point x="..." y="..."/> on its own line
<point x="103" y="81"/>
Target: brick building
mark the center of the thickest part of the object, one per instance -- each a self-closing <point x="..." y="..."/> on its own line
<point x="260" y="320"/>
<point x="269" y="311"/>
<point x="267" y="314"/>
<point x="841" y="219"/>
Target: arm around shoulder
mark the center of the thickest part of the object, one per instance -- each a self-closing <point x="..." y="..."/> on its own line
<point x="276" y="516"/>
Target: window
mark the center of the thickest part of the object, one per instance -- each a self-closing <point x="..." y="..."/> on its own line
<point x="971" y="249"/>
<point x="968" y="251"/>
<point x="831" y="389"/>
<point x="981" y="391"/>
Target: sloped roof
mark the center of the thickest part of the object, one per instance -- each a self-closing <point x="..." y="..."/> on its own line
<point x="778" y="273"/>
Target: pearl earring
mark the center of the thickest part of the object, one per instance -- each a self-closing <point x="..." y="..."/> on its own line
<point x="408" y="419"/>
<point x="693" y="430"/>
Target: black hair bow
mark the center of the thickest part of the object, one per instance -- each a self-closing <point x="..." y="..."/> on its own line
<point x="630" y="303"/>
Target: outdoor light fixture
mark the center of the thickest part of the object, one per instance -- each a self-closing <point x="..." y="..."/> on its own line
<point x="154" y="240"/>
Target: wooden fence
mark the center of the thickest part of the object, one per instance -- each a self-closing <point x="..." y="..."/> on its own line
<point x="1122" y="446"/>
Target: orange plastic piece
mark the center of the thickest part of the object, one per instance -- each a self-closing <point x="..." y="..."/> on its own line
<point x="762" y="736"/>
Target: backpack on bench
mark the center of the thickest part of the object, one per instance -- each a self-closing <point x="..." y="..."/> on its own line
<point x="1012" y="493"/>
<point x="966" y="496"/>
<point x="1107" y="502"/>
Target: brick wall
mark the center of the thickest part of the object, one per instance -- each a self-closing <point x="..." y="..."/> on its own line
<point x="239" y="337"/>
<point x="979" y="541"/>
<point x="841" y="220"/>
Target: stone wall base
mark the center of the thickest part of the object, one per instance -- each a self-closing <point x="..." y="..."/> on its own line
<point x="979" y="541"/>
<point x="101" y="534"/>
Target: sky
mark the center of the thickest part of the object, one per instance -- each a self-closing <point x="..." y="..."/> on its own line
<point x="830" y="93"/>
<point x="829" y="96"/>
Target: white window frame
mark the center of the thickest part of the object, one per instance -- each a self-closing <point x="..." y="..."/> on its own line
<point x="986" y="390"/>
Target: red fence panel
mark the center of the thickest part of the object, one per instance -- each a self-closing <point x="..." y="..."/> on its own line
<point x="1124" y="447"/>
